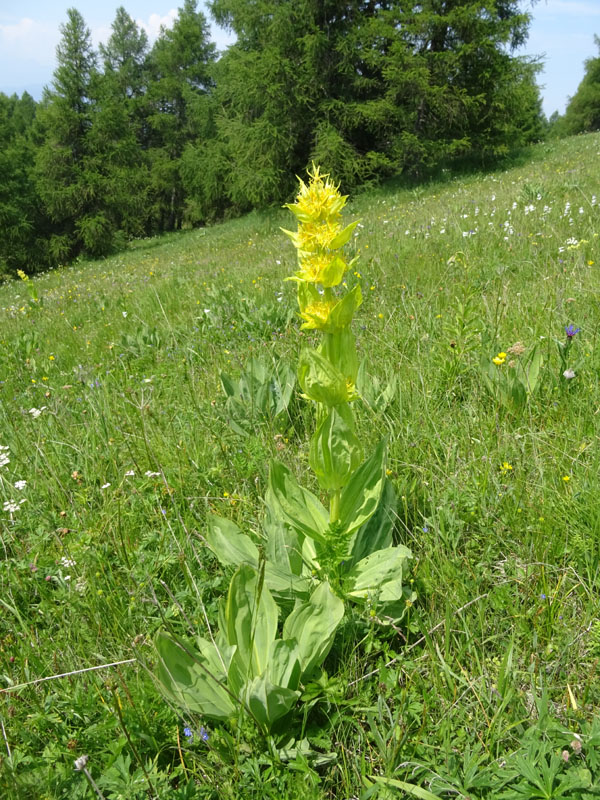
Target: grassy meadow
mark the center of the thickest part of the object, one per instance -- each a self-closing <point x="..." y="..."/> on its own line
<point x="117" y="441"/>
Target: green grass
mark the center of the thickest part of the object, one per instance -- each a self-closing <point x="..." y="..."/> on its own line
<point x="495" y="669"/>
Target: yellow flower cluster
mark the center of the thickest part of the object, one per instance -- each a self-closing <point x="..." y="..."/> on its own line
<point x="318" y="210"/>
<point x="499" y="359"/>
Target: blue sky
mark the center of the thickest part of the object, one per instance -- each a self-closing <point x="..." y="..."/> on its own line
<point x="562" y="32"/>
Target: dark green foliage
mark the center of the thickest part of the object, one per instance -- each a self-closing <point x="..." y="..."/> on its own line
<point x="22" y="223"/>
<point x="139" y="140"/>
<point x="583" y="111"/>
<point x="68" y="181"/>
<point x="368" y="90"/>
<point x="178" y="107"/>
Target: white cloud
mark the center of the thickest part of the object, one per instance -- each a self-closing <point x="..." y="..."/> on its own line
<point x="155" y="22"/>
<point x="29" y="39"/>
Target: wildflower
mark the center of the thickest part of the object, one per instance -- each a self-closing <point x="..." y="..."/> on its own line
<point x="568" y="374"/>
<point x="105" y="485"/>
<point x="203" y="733"/>
<point x="80" y="763"/>
<point x="498" y="361"/>
<point x="130" y="473"/>
<point x="150" y="474"/>
<point x="68" y="562"/>
<point x="11" y="506"/>
<point x="319" y="200"/>
<point x="36" y="412"/>
<point x="517" y="349"/>
<point x="189" y="734"/>
<point x="505" y="467"/>
<point x="566" y="478"/>
<point x="20" y="485"/>
<point x="571" y="331"/>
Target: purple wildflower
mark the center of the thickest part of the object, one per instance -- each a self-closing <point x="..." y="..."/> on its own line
<point x="189" y="734"/>
<point x="203" y="733"/>
<point x="571" y="330"/>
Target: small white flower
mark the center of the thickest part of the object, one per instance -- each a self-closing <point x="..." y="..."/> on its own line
<point x="105" y="485"/>
<point x="80" y="585"/>
<point x="36" y="412"/>
<point x="11" y="506"/>
<point x="568" y="374"/>
<point x="68" y="562"/>
<point x="130" y="473"/>
<point x="207" y="310"/>
<point x="124" y="314"/>
<point x="20" y="485"/>
<point x="150" y="474"/>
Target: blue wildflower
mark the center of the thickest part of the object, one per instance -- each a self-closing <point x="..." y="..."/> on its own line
<point x="571" y="330"/>
<point x="189" y="734"/>
<point x="203" y="733"/>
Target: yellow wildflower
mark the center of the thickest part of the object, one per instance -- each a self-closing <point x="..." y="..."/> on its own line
<point x="319" y="200"/>
<point x="316" y="315"/>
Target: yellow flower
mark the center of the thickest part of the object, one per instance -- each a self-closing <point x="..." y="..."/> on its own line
<point x="319" y="200"/>
<point x="566" y="478"/>
<point x="502" y="356"/>
<point x="312" y="236"/>
<point x="506" y="467"/>
<point x="316" y="315"/>
<point x="321" y="267"/>
<point x="498" y="361"/>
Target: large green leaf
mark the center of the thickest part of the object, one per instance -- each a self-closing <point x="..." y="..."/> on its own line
<point x="284" y="664"/>
<point x="339" y="349"/>
<point x="296" y="505"/>
<point x="342" y="313"/>
<point x="229" y="544"/>
<point x="376" y="533"/>
<point x="313" y="625"/>
<point x="407" y="788"/>
<point x="285" y="585"/>
<point x="369" y="577"/>
<point x="320" y="380"/>
<point x="344" y="236"/>
<point x="335" y="451"/>
<point x="283" y="547"/>
<point x="194" y="679"/>
<point x="360" y="497"/>
<point x="268" y="702"/>
<point x="251" y="619"/>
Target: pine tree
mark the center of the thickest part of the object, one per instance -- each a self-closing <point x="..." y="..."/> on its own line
<point x="68" y="182"/>
<point x="117" y="135"/>
<point x="367" y="88"/>
<point x="22" y="223"/>
<point x="178" y="107"/>
<point x="582" y="114"/>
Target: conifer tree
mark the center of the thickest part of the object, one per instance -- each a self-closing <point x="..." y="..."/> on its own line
<point x="178" y="107"/>
<point x="582" y="114"/>
<point x="118" y="130"/>
<point x="367" y="89"/>
<point x="22" y="223"/>
<point x="67" y="181"/>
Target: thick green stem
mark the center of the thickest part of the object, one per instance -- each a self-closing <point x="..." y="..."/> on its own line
<point x="334" y="506"/>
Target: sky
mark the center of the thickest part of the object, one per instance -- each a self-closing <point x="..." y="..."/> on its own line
<point x="562" y="32"/>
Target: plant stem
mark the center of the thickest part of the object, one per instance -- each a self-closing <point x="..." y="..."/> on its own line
<point x="334" y="506"/>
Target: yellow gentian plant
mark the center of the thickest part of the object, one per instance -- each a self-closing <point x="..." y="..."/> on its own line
<point x="311" y="560"/>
